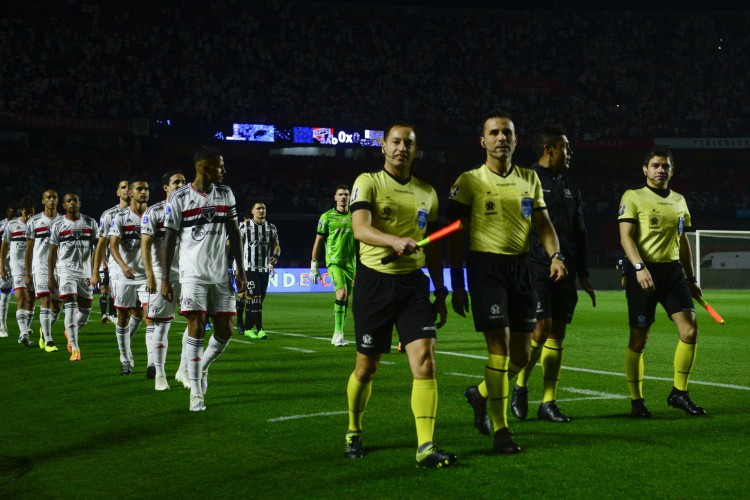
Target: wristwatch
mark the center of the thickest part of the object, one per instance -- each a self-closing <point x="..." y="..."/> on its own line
<point x="640" y="266"/>
<point x="557" y="255"/>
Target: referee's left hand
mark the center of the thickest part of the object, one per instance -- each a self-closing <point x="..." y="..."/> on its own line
<point x="586" y="286"/>
<point x="441" y="312"/>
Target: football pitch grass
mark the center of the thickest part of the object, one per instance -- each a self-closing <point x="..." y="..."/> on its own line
<point x="276" y="416"/>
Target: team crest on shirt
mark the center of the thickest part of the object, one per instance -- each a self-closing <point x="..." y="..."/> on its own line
<point x="76" y="233"/>
<point x="386" y="212"/>
<point x="489" y="208"/>
<point x="208" y="213"/>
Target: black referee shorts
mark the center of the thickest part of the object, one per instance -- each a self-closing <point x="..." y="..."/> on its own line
<point x="555" y="300"/>
<point x="381" y="301"/>
<point x="502" y="291"/>
<point x="671" y="291"/>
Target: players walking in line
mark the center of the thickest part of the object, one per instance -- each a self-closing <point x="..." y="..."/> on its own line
<point x="157" y="310"/>
<point x="557" y="300"/>
<point x="658" y="269"/>
<point x="106" y="268"/>
<point x="37" y="273"/>
<point x="14" y="247"/>
<point x="335" y="232"/>
<point x="6" y="284"/>
<point x="260" y="253"/>
<point x="391" y="210"/>
<point x="203" y="215"/>
<point x="498" y="203"/>
<point x="125" y="248"/>
<point x="71" y="246"/>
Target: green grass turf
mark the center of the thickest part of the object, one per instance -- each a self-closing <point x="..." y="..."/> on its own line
<point x="277" y="415"/>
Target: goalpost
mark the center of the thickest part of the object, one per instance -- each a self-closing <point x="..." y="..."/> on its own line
<point x="721" y="259"/>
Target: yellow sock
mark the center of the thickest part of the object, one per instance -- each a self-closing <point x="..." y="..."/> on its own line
<point x="684" y="359"/>
<point x="513" y="370"/>
<point x="536" y="352"/>
<point x="482" y="388"/>
<point x="496" y="376"/>
<point x="357" y="394"/>
<point x="424" y="399"/>
<point x="634" y="370"/>
<point x="552" y="357"/>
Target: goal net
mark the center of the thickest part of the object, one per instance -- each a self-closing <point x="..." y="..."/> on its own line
<point x="721" y="259"/>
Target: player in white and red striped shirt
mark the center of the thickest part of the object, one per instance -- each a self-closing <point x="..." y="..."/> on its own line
<point x="203" y="215"/>
<point x="14" y="246"/>
<point x="6" y="284"/>
<point x="158" y="311"/>
<point x="37" y="251"/>
<point x="125" y="248"/>
<point x="71" y="246"/>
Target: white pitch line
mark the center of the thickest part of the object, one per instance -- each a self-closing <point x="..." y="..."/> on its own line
<point x="571" y="368"/>
<point x="297" y="349"/>
<point x="309" y="415"/>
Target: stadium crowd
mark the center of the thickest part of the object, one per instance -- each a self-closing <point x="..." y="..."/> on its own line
<point x="604" y="75"/>
<point x="601" y="75"/>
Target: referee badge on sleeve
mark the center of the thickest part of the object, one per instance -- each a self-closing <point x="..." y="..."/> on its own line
<point x="622" y="210"/>
<point x="681" y="225"/>
<point x="527" y="206"/>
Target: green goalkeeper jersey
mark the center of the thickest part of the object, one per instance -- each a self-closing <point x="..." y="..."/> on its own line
<point x="336" y="227"/>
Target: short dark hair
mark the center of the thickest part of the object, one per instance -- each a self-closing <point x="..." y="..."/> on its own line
<point x="495" y="113"/>
<point x="341" y="186"/>
<point x="137" y="178"/>
<point x="658" y="151"/>
<point x="546" y="134"/>
<point x="397" y="123"/>
<point x="27" y="203"/>
<point x="206" y="153"/>
<point x="252" y="205"/>
<point x="168" y="175"/>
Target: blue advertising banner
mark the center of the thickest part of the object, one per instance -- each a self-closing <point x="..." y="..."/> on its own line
<point x="297" y="279"/>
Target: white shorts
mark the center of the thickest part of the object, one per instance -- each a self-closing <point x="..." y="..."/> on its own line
<point x="217" y="298"/>
<point x="41" y="285"/>
<point x="126" y="295"/>
<point x="70" y="285"/>
<point x="19" y="283"/>
<point x="157" y="307"/>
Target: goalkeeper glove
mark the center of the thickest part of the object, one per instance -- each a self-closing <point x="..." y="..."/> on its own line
<point x="314" y="274"/>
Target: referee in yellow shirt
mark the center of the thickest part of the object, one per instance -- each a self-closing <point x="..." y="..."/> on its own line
<point x="391" y="210"/>
<point x="652" y="222"/>
<point x="498" y="202"/>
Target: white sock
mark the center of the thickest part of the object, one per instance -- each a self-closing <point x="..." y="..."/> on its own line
<point x="215" y="347"/>
<point x="149" y="344"/>
<point x="160" y="343"/>
<point x="194" y="353"/>
<point x="133" y="325"/>
<point x="23" y="327"/>
<point x="4" y="300"/>
<point x="45" y="319"/>
<point x="71" y="326"/>
<point x="183" y="354"/>
<point x="83" y="317"/>
<point x="123" y="342"/>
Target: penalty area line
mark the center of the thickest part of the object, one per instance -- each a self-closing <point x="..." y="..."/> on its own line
<point x="308" y="415"/>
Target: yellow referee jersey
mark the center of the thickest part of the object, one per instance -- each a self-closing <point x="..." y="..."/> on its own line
<point x="501" y="207"/>
<point x="399" y="208"/>
<point x="659" y="222"/>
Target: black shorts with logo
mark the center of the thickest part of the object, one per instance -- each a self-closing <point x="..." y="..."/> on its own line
<point x="502" y="291"/>
<point x="257" y="283"/>
<point x="556" y="300"/>
<point x="381" y="301"/>
<point x="671" y="291"/>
